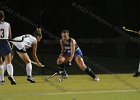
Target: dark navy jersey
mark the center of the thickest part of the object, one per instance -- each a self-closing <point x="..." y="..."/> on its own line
<point x="67" y="46"/>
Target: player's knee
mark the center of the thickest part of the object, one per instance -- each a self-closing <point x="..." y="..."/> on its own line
<point x="83" y="67"/>
<point x="60" y="60"/>
<point x="7" y="62"/>
<point x="27" y="61"/>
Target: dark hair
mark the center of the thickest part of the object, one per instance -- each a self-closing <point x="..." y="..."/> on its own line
<point x="38" y="32"/>
<point x="1" y="15"/>
<point x="65" y="31"/>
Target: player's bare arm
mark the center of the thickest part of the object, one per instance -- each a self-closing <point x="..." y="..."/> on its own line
<point x="62" y="48"/>
<point x="35" y="55"/>
<point x="10" y="33"/>
<point x="72" y="44"/>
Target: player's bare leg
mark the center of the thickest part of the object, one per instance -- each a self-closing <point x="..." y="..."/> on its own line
<point x="83" y="67"/>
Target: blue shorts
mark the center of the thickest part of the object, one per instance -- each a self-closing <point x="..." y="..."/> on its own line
<point x="5" y="47"/>
<point x="77" y="52"/>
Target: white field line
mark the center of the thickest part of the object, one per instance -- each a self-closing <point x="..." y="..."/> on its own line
<point x="66" y="93"/>
<point x="92" y="92"/>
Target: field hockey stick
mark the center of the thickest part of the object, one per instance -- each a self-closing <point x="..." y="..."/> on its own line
<point x="42" y="67"/>
<point x="34" y="63"/>
<point x="11" y="40"/>
<point x="129" y="30"/>
<point x="47" y="78"/>
<point x="54" y="70"/>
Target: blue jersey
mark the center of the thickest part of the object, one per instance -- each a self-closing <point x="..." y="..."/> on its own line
<point x="67" y="49"/>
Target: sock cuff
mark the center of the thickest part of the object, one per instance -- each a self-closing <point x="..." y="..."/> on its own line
<point x="1" y="66"/>
<point x="28" y="64"/>
<point x="9" y="64"/>
<point x="87" y="69"/>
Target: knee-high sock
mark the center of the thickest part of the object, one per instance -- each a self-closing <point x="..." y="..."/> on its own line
<point x="90" y="72"/>
<point x="4" y="66"/>
<point x="1" y="73"/>
<point x="29" y="69"/>
<point x="139" y="67"/>
<point x="10" y="69"/>
<point x="61" y="68"/>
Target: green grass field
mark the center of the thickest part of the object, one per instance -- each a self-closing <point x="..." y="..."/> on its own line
<point x="75" y="87"/>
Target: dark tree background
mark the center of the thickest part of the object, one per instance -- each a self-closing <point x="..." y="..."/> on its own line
<point x="56" y="15"/>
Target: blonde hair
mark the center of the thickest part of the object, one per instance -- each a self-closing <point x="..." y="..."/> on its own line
<point x="38" y="32"/>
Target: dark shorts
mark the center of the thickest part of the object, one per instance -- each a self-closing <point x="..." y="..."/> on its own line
<point x="77" y="52"/>
<point x="5" y="47"/>
<point x="17" y="50"/>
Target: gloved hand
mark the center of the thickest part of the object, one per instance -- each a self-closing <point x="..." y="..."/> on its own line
<point x="68" y="64"/>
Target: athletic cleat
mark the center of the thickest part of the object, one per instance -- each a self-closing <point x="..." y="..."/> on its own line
<point x="61" y="78"/>
<point x="30" y="79"/>
<point x="63" y="74"/>
<point x="136" y="74"/>
<point x="13" y="82"/>
<point x="47" y="78"/>
<point x="96" y="78"/>
<point x="2" y="82"/>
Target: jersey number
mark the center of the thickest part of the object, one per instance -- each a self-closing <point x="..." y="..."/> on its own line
<point x="2" y="33"/>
